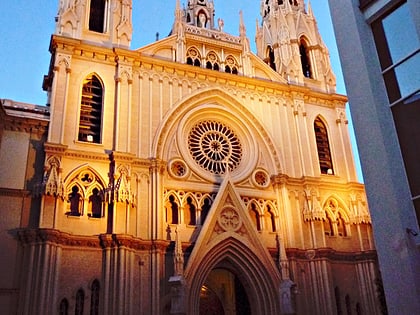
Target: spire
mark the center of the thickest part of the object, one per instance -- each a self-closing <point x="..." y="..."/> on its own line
<point x="310" y="12"/>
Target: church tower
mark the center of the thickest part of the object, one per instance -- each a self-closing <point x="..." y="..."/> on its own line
<point x="106" y="22"/>
<point x="200" y="13"/>
<point x="289" y="41"/>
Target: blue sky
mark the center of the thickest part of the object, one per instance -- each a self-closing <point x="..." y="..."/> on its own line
<point x="26" y="27"/>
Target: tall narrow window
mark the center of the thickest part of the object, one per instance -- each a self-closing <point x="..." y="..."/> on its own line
<point x="305" y="59"/>
<point x="255" y="217"/>
<point x="94" y="300"/>
<point x="323" y="146"/>
<point x="64" y="307"/>
<point x="271" y="58"/>
<point x="189" y="212"/>
<point x="172" y="215"/>
<point x="80" y="302"/>
<point x="97" y="16"/>
<point x="205" y="208"/>
<point x="90" y="123"/>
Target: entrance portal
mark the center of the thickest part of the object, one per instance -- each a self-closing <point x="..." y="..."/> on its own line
<point x="223" y="294"/>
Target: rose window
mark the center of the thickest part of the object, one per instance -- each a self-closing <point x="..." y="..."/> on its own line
<point x="215" y="147"/>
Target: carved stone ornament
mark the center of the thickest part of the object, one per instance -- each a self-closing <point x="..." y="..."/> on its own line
<point x="229" y="220"/>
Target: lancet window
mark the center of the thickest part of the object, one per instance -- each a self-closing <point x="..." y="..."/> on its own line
<point x="97" y="15"/>
<point x="305" y="59"/>
<point x="64" y="307"/>
<point x="205" y="208"/>
<point x="270" y="219"/>
<point x="255" y="216"/>
<point x="270" y="58"/>
<point x="172" y="211"/>
<point x="323" y="146"/>
<point x="94" y="300"/>
<point x="190" y="212"/>
<point x="80" y="302"/>
<point x="90" y="123"/>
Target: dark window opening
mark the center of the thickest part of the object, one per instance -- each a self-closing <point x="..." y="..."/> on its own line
<point x="172" y="211"/>
<point x="97" y="16"/>
<point x="305" y="60"/>
<point x="80" y="302"/>
<point x="271" y="58"/>
<point x="323" y="146"/>
<point x="90" y="123"/>
<point x="255" y="217"/>
<point x="64" y="307"/>
<point x="76" y="202"/>
<point x="94" y="300"/>
<point x="190" y="212"/>
<point x="96" y="203"/>
<point x="205" y="208"/>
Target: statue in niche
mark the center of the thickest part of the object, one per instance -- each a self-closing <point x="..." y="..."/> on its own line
<point x="202" y="20"/>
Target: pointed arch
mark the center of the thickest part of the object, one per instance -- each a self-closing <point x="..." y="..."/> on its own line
<point x="85" y="189"/>
<point x="193" y="57"/>
<point x="254" y="213"/>
<point x="323" y="146"/>
<point x="91" y="108"/>
<point x="172" y="205"/>
<point x="305" y="57"/>
<point x="270" y="58"/>
<point x="235" y="256"/>
<point x="217" y="104"/>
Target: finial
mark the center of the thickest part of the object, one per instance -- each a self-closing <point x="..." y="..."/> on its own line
<point x="242" y="28"/>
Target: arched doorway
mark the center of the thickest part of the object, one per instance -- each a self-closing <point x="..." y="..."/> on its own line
<point x="223" y="294"/>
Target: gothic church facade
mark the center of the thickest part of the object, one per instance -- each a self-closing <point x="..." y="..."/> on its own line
<point x="189" y="176"/>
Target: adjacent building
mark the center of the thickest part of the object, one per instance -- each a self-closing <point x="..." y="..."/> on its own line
<point x="189" y="176"/>
<point x="379" y="45"/>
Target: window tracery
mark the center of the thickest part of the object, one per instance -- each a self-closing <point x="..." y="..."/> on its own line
<point x="212" y="61"/>
<point x="231" y="66"/>
<point x="90" y="120"/>
<point x="215" y="147"/>
<point x="85" y="191"/>
<point x="193" y="57"/>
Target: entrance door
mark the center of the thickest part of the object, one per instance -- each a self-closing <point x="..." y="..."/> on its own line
<point x="223" y="294"/>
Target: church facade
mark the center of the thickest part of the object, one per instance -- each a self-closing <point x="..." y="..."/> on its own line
<point x="189" y="176"/>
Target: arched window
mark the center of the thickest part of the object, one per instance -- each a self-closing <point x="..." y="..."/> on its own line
<point x="305" y="59"/>
<point x="64" y="307"/>
<point x="271" y="219"/>
<point x="76" y="202"/>
<point x="348" y="305"/>
<point x="172" y="214"/>
<point x="328" y="226"/>
<point x="95" y="201"/>
<point x="94" y="300"/>
<point x="80" y="302"/>
<point x="323" y="146"/>
<point x="90" y="123"/>
<point x="338" y="301"/>
<point x="270" y="58"/>
<point x="205" y="208"/>
<point x="97" y="15"/>
<point x="341" y="225"/>
<point x="231" y="66"/>
<point x="193" y="57"/>
<point x="255" y="217"/>
<point x="189" y="212"/>
<point x="212" y="61"/>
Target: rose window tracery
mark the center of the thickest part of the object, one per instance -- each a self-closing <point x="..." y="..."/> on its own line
<point x="215" y="147"/>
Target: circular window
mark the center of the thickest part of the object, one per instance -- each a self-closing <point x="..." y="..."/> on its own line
<point x="178" y="168"/>
<point x="215" y="147"/>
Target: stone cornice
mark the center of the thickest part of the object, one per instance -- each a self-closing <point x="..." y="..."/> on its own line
<point x="330" y="254"/>
<point x="102" y="241"/>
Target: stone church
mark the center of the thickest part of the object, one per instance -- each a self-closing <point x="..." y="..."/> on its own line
<point x="189" y="176"/>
